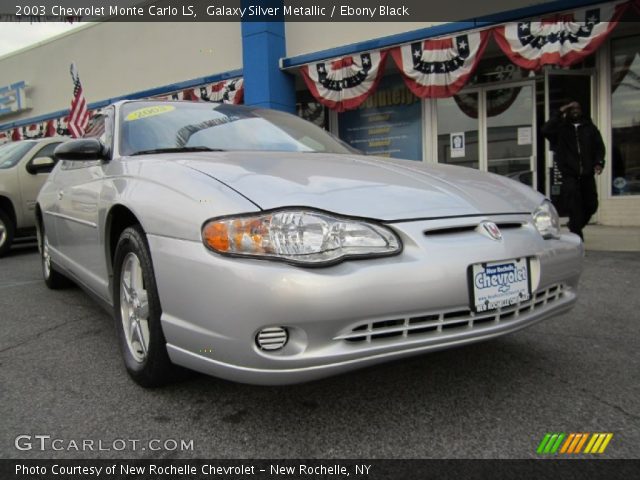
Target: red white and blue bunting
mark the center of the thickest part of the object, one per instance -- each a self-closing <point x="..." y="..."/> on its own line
<point x="344" y="83"/>
<point x="49" y="128"/>
<point x="226" y="91"/>
<point x="563" y="40"/>
<point x="440" y="68"/>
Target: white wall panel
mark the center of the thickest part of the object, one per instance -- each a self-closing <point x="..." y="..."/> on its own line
<point x="115" y="59"/>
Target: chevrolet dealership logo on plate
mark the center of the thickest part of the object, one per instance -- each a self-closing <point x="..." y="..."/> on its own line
<point x="500" y="284"/>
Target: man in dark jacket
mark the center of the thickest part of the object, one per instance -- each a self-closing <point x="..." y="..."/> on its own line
<point x="579" y="155"/>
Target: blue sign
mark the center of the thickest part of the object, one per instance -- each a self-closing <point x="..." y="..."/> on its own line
<point x="387" y="124"/>
<point x="13" y="98"/>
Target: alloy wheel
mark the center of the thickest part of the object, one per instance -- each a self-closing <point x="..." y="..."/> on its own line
<point x="134" y="308"/>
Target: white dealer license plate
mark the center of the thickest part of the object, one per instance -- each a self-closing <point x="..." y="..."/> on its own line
<point x="499" y="284"/>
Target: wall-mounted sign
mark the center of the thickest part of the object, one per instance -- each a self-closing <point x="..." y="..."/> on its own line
<point x="457" y="142"/>
<point x="387" y="124"/>
<point x="13" y="98"/>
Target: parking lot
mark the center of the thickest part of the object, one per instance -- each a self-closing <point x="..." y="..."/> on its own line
<point x="61" y="375"/>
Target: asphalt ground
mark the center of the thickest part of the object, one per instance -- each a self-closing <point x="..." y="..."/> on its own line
<point x="61" y="375"/>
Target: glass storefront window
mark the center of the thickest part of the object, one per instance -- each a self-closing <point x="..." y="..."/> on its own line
<point x="311" y="110"/>
<point x="458" y="130"/>
<point x="387" y="124"/>
<point x="625" y="116"/>
<point x="510" y="133"/>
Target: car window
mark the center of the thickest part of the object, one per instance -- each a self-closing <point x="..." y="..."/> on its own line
<point x="148" y="126"/>
<point x="95" y="128"/>
<point x="47" y="151"/>
<point x="12" y="153"/>
<point x="101" y="127"/>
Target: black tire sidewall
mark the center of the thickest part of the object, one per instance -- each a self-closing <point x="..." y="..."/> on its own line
<point x="154" y="370"/>
<point x="10" y="229"/>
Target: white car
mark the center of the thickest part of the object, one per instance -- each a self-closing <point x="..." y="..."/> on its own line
<point x="24" y="167"/>
<point x="252" y="245"/>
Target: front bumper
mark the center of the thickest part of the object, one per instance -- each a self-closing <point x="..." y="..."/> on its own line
<point x="350" y="315"/>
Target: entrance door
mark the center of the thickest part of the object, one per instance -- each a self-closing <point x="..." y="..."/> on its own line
<point x="510" y="132"/>
<point x="563" y="87"/>
<point x="458" y="130"/>
<point x="491" y="128"/>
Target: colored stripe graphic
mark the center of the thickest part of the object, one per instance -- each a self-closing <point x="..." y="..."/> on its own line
<point x="572" y="443"/>
<point x="605" y="444"/>
<point x="543" y="443"/>
<point x="581" y="443"/>
<point x="555" y="447"/>
<point x="550" y="443"/>
<point x="596" y="446"/>
<point x="570" y="439"/>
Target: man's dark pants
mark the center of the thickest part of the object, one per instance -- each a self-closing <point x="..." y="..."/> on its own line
<point x="581" y="199"/>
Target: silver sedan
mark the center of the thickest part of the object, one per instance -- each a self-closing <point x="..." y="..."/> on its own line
<point x="251" y="245"/>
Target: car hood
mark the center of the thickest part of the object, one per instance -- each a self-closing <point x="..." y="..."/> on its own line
<point x="363" y="186"/>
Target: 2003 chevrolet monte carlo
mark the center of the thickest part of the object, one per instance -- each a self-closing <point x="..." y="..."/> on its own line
<point x="251" y="245"/>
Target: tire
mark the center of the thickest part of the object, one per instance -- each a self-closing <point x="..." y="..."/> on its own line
<point x="52" y="277"/>
<point x="7" y="232"/>
<point x="137" y="311"/>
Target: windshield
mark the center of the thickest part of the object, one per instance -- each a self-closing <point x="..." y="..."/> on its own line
<point x="11" y="153"/>
<point x="150" y="127"/>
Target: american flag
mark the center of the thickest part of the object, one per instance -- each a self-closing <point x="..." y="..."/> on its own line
<point x="78" y="115"/>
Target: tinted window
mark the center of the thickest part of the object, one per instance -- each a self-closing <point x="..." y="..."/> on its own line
<point x="12" y="153"/>
<point x="625" y="131"/>
<point x="47" y="151"/>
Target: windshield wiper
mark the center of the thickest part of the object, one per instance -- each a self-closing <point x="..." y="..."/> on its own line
<point x="177" y="150"/>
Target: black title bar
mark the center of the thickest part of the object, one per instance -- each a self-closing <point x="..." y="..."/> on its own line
<point x="273" y="10"/>
<point x="315" y="469"/>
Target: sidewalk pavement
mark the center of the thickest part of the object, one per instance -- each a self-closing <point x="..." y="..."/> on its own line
<point x="613" y="239"/>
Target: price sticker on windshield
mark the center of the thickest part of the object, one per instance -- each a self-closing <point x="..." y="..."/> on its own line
<point x="149" y="112"/>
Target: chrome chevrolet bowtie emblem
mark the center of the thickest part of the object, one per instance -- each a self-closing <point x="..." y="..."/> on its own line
<point x="492" y="230"/>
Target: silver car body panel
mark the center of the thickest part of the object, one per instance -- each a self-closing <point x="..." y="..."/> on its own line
<point x="318" y="306"/>
<point x="22" y="187"/>
<point x="363" y="186"/>
<point x="213" y="306"/>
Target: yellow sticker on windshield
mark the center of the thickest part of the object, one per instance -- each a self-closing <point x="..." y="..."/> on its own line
<point x="149" y="112"/>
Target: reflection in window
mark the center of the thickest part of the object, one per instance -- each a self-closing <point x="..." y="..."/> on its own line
<point x="625" y="116"/>
<point x="458" y="130"/>
<point x="510" y="132"/>
<point x="12" y="153"/>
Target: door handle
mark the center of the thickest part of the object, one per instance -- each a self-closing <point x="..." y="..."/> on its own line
<point x="60" y="194"/>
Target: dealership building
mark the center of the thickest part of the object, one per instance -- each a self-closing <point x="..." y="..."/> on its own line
<point x="473" y="93"/>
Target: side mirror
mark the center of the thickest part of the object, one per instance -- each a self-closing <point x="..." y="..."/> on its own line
<point x="82" y="150"/>
<point x="40" y="165"/>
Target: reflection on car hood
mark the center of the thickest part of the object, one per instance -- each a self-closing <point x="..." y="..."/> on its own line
<point x="363" y="186"/>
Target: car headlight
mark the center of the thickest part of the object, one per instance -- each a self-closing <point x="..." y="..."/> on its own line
<point x="299" y="236"/>
<point x="546" y="220"/>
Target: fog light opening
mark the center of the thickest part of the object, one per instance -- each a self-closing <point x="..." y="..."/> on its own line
<point x="272" y="338"/>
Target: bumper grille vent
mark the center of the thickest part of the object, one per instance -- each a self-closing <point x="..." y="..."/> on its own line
<point x="438" y="323"/>
<point x="272" y="338"/>
<point x="469" y="228"/>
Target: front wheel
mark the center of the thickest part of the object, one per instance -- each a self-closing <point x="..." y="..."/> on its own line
<point x="137" y="311"/>
<point x="7" y="231"/>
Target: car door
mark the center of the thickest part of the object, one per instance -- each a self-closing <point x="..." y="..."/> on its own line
<point x="79" y="185"/>
<point x="31" y="178"/>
